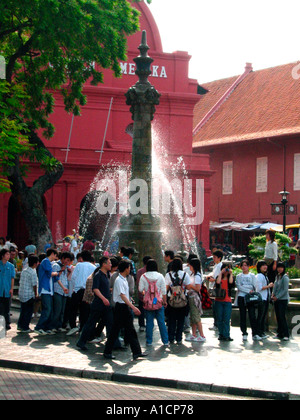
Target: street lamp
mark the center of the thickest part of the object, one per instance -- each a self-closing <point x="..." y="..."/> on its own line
<point x="284" y="194"/>
<point x="283" y="208"/>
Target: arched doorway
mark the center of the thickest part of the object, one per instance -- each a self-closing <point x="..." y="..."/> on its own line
<point x="16" y="227"/>
<point x="96" y="226"/>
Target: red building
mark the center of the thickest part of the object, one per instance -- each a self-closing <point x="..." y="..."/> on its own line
<point x="173" y="121"/>
<point x="250" y="126"/>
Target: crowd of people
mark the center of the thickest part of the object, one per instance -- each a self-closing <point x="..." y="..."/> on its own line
<point x="74" y="295"/>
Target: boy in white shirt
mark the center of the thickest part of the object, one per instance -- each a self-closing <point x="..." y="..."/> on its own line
<point x="123" y="316"/>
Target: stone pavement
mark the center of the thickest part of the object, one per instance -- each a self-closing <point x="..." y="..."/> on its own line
<point x="22" y="385"/>
<point x="268" y="369"/>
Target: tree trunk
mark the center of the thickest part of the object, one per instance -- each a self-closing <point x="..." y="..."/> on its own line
<point x="30" y="199"/>
<point x="32" y="209"/>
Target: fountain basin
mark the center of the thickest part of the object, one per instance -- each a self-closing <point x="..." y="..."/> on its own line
<point x="148" y="243"/>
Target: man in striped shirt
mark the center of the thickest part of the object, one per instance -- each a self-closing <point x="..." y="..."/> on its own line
<point x="28" y="293"/>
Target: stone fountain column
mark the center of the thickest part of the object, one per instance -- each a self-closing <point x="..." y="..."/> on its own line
<point x="142" y="227"/>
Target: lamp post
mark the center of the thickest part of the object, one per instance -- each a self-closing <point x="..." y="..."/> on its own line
<point x="284" y="194"/>
<point x="283" y="208"/>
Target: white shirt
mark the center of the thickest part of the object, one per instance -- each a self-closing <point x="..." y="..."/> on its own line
<point x="73" y="249"/>
<point x="187" y="269"/>
<point x="271" y="251"/>
<point x="261" y="282"/>
<point x="80" y="274"/>
<point x="215" y="274"/>
<point x="153" y="276"/>
<point x="121" y="287"/>
<point x="217" y="270"/>
<point x="245" y="284"/>
<point x="196" y="279"/>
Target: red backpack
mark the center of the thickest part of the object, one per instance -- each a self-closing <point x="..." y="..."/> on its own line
<point x="205" y="298"/>
<point x="152" y="299"/>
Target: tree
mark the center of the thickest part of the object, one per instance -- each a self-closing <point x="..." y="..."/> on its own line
<point x="12" y="129"/>
<point x="52" y="45"/>
<point x="258" y="244"/>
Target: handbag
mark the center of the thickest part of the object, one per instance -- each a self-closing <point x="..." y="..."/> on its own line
<point x="217" y="293"/>
<point x="253" y="298"/>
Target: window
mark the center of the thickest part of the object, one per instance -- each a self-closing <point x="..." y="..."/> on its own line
<point x="227" y="178"/>
<point x="262" y="175"/>
<point x="297" y="172"/>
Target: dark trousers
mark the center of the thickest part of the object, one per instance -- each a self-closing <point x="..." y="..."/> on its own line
<point x="280" y="311"/>
<point x="271" y="273"/>
<point x="4" y="310"/>
<point x="100" y="327"/>
<point x="243" y="317"/>
<point x="123" y="319"/>
<point x="67" y="312"/>
<point x="96" y="312"/>
<point x="46" y="315"/>
<point x="176" y="323"/>
<point x="77" y="303"/>
<point x="142" y="316"/>
<point x="26" y="314"/>
<point x="59" y="305"/>
<point x="262" y="315"/>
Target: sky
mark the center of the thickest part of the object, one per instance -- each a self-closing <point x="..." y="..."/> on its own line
<point x="223" y="35"/>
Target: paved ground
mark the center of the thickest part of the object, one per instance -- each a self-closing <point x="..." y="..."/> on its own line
<point x="20" y="385"/>
<point x="232" y="368"/>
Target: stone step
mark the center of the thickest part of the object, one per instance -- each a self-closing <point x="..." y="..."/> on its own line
<point x="295" y="293"/>
<point x="295" y="283"/>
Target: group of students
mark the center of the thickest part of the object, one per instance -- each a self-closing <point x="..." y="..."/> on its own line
<point x="103" y="296"/>
<point x="160" y="298"/>
<point x="254" y="294"/>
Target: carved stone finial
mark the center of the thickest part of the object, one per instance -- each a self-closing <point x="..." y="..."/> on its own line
<point x="143" y="61"/>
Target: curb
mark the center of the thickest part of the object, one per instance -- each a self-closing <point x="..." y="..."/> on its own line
<point x="157" y="382"/>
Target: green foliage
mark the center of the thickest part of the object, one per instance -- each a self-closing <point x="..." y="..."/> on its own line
<point x="237" y="271"/>
<point x="258" y="244"/>
<point x="294" y="273"/>
<point x="13" y="138"/>
<point x="56" y="45"/>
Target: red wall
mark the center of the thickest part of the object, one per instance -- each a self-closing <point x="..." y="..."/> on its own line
<point x="245" y="204"/>
<point x="174" y="119"/>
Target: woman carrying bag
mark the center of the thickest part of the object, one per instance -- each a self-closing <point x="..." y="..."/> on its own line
<point x="245" y="283"/>
<point x="152" y="285"/>
<point x="224" y="284"/>
<point x="195" y="302"/>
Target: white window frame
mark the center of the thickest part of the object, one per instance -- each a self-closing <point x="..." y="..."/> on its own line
<point x="297" y="172"/>
<point x="262" y="165"/>
<point x="227" y="178"/>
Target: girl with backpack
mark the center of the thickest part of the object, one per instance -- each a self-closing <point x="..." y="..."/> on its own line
<point x="195" y="302"/>
<point x="152" y="285"/>
<point x="177" y="282"/>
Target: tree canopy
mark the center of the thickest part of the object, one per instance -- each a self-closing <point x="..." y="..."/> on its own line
<point x="52" y="45"/>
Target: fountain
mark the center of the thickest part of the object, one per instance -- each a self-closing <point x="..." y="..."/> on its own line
<point x="107" y="211"/>
<point x="142" y="228"/>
